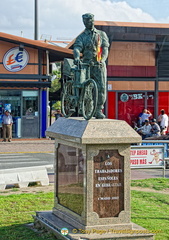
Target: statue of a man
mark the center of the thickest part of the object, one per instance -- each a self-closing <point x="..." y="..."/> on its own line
<point x="93" y="44"/>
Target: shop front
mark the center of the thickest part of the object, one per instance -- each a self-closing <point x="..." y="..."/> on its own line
<point x="24" y="106"/>
<point x="137" y="69"/>
<point x="25" y="82"/>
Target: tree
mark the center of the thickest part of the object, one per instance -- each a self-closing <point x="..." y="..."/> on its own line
<point x="56" y="84"/>
<point x="57" y="105"/>
<point x="56" y="77"/>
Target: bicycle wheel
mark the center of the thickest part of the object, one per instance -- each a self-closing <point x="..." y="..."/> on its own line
<point x="89" y="99"/>
<point x="67" y="100"/>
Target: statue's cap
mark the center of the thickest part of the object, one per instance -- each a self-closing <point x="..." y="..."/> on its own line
<point x="88" y="15"/>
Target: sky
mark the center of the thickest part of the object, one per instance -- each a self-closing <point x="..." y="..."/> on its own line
<point x="62" y="19"/>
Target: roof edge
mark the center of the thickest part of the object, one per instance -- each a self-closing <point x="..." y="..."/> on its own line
<point x="131" y="24"/>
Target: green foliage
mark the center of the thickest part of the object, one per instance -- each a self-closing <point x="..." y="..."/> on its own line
<point x="56" y="85"/>
<point x="56" y="105"/>
<point x="155" y="183"/>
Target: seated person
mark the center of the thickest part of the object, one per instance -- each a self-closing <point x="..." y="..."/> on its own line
<point x="155" y="129"/>
<point x="145" y="131"/>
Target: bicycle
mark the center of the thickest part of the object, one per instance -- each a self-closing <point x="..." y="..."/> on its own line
<point x="80" y="93"/>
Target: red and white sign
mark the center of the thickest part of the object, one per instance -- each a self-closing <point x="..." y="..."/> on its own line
<point x="15" y="60"/>
<point x="147" y="156"/>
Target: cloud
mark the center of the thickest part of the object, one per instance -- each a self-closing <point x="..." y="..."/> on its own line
<point x="68" y="22"/>
<point x="62" y="18"/>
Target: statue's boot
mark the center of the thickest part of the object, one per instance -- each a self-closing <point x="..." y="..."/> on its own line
<point x="99" y="114"/>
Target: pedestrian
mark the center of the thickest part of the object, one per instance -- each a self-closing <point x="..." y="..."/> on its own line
<point x="145" y="115"/>
<point x="163" y="121"/>
<point x="155" y="128"/>
<point x="93" y="44"/>
<point x="58" y="114"/>
<point x="7" y="122"/>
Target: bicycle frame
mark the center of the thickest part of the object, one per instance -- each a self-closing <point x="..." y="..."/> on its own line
<point x="80" y="92"/>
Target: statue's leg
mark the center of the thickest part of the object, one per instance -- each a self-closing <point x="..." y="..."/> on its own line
<point x="99" y="75"/>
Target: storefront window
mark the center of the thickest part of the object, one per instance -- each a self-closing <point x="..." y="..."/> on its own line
<point x="131" y="104"/>
<point x="163" y="98"/>
<point x="11" y="100"/>
<point x="23" y="106"/>
<point x="150" y="103"/>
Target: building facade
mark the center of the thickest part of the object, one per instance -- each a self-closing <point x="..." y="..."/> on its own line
<point x="137" y="69"/>
<point x="25" y="81"/>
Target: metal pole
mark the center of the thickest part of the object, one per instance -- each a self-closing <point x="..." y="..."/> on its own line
<point x="47" y="90"/>
<point x="36" y="20"/>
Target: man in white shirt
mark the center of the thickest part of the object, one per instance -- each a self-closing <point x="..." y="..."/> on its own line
<point x="7" y="122"/>
<point x="163" y="122"/>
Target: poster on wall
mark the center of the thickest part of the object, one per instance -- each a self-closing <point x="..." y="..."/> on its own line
<point x="15" y="60"/>
<point x="147" y="157"/>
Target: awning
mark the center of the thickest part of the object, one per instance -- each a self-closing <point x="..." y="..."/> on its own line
<point x="25" y="84"/>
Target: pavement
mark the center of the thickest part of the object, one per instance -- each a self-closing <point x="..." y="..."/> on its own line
<point x="40" y="145"/>
<point x="27" y="145"/>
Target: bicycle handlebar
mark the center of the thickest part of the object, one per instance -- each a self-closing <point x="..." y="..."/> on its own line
<point x="90" y="64"/>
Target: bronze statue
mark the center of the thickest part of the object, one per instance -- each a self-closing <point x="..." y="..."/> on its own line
<point x="93" y="44"/>
<point x="84" y="80"/>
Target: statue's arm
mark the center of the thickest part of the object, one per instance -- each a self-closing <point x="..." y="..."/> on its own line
<point x="104" y="54"/>
<point x="76" y="54"/>
<point x="77" y="49"/>
<point x="105" y="47"/>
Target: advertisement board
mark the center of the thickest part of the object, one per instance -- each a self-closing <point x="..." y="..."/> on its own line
<point x="147" y="156"/>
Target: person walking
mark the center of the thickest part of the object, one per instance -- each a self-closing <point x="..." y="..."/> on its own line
<point x="93" y="44"/>
<point x="7" y="122"/>
<point x="58" y="114"/>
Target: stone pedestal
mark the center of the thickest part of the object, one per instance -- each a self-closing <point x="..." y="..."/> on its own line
<point x="92" y="180"/>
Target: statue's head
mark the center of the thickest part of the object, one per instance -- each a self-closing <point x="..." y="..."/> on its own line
<point x="88" y="20"/>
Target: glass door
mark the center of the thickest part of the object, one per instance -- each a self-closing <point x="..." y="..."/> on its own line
<point x="30" y="114"/>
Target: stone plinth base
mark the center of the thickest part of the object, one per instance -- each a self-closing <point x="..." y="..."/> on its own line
<point x="54" y="224"/>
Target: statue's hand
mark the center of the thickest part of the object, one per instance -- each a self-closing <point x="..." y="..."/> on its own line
<point x="77" y="61"/>
<point x="101" y="63"/>
<point x="91" y="63"/>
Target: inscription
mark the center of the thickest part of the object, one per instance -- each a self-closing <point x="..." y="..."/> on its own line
<point x="108" y="170"/>
<point x="110" y="178"/>
<point x="108" y="183"/>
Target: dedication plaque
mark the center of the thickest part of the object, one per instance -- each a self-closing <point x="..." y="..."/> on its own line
<point x="108" y="194"/>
